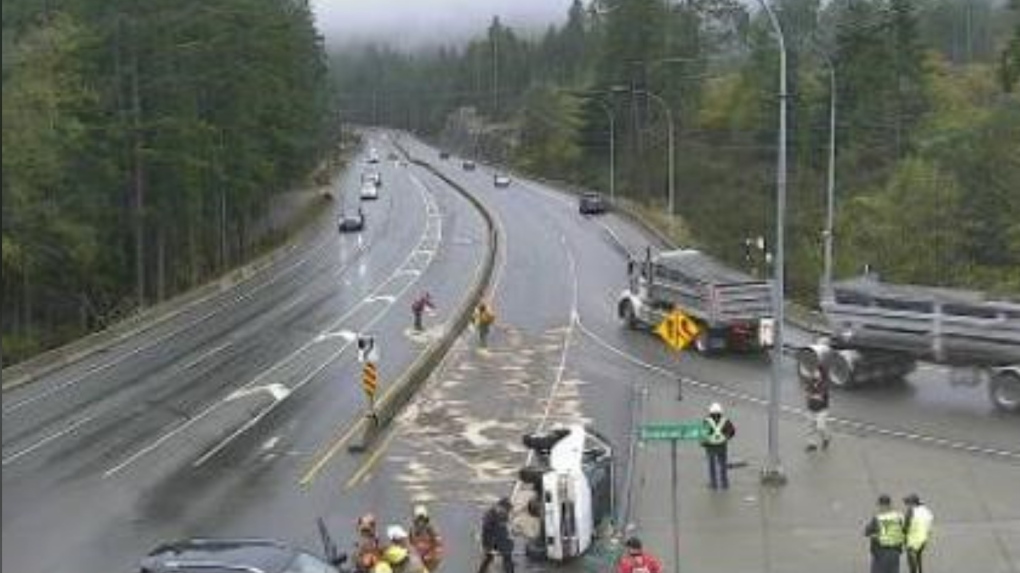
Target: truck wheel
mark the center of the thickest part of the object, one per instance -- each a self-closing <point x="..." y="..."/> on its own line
<point x="841" y="371"/>
<point x="532" y="475"/>
<point x="628" y="315"/>
<point x="703" y="343"/>
<point x="1004" y="390"/>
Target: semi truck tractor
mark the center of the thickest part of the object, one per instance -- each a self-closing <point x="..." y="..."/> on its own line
<point x="734" y="310"/>
<point x="880" y="331"/>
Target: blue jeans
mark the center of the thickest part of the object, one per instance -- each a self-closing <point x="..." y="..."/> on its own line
<point x="718" y="475"/>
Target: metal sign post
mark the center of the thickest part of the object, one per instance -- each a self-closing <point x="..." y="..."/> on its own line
<point x="674" y="433"/>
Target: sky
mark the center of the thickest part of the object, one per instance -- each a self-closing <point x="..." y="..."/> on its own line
<point x="409" y="24"/>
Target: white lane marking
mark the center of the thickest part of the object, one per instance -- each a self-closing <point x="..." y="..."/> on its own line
<point x="276" y="390"/>
<point x="205" y="355"/>
<point x="862" y="427"/>
<point x="347" y="335"/>
<point x="574" y="320"/>
<point x="270" y="443"/>
<point x="47" y="440"/>
<point x="208" y="410"/>
<point x="387" y="298"/>
<point x="155" y="342"/>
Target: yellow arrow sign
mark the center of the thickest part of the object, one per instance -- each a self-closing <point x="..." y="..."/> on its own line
<point x="678" y="330"/>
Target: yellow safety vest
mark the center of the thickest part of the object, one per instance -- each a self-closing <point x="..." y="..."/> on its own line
<point x="715" y="435"/>
<point x="920" y="527"/>
<point x="890" y="529"/>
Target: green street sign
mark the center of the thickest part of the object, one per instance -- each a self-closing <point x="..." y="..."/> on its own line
<point x="694" y="431"/>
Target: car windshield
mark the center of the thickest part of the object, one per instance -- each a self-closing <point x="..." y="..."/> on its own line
<point x="305" y="563"/>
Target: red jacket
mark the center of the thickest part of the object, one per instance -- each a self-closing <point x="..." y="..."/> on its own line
<point x="641" y="563"/>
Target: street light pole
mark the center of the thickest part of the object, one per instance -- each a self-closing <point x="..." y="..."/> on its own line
<point x="671" y="168"/>
<point x="772" y="473"/>
<point x="612" y="149"/>
<point x="830" y="207"/>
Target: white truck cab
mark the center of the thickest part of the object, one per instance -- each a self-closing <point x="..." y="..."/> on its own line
<point x="571" y="491"/>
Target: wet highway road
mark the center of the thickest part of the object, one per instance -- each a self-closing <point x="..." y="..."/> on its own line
<point x="202" y="425"/>
<point x="557" y="355"/>
<point x="560" y="355"/>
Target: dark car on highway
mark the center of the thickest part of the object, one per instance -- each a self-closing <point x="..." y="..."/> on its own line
<point x="352" y="223"/>
<point x="233" y="555"/>
<point x="444" y="154"/>
<point x="468" y="165"/>
<point x="591" y="204"/>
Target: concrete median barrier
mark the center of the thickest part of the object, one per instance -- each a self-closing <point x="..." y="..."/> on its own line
<point x="407" y="385"/>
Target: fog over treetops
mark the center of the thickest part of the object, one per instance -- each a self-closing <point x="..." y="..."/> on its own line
<point x="410" y="24"/>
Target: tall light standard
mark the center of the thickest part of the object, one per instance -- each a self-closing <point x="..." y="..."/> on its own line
<point x="671" y="137"/>
<point x="830" y="204"/>
<point x="670" y="144"/>
<point x="612" y="148"/>
<point x="772" y="473"/>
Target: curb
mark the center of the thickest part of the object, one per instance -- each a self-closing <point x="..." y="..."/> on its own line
<point x="30" y="370"/>
<point x="405" y="387"/>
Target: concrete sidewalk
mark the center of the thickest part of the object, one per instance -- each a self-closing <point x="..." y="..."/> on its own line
<point x="814" y="524"/>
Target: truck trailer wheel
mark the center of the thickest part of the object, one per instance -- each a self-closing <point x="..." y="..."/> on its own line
<point x="841" y="370"/>
<point x="1004" y="390"/>
<point x="628" y="315"/>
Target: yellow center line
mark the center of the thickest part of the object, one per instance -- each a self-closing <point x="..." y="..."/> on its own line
<point x="366" y="467"/>
<point x="324" y="459"/>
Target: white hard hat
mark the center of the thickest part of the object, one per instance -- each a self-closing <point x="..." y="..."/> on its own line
<point x="396" y="533"/>
<point x="715" y="408"/>
<point x="421" y="511"/>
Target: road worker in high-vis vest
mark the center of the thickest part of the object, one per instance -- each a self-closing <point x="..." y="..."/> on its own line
<point x="885" y="530"/>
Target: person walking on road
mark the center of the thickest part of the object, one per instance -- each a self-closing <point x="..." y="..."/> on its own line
<point x="400" y="556"/>
<point x="718" y="431"/>
<point x="885" y="531"/>
<point x="418" y="308"/>
<point x="636" y="560"/>
<point x="496" y="538"/>
<point x="484" y="317"/>
<point x="425" y="539"/>
<point x="816" y="393"/>
<point x="917" y="525"/>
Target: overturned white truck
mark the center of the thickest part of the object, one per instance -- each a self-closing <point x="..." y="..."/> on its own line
<point x="569" y="486"/>
<point x="879" y="331"/>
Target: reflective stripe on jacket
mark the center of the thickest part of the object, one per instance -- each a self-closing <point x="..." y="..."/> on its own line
<point x="890" y="529"/>
<point x="716" y="435"/>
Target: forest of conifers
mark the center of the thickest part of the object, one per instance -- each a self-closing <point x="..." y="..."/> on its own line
<point x="142" y="139"/>
<point x="928" y="122"/>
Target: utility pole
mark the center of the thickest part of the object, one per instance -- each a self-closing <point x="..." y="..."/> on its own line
<point x="495" y="68"/>
<point x="670" y="162"/>
<point x="830" y="204"/>
<point x="772" y="473"/>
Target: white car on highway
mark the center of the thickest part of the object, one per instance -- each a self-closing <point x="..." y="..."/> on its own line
<point x="369" y="191"/>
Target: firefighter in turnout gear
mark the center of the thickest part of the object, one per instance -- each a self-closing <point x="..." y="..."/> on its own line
<point x="366" y="548"/>
<point x="636" y="560"/>
<point x="484" y="318"/>
<point x="718" y="432"/>
<point x="401" y="557"/>
<point x="885" y="531"/>
<point x="425" y="539"/>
